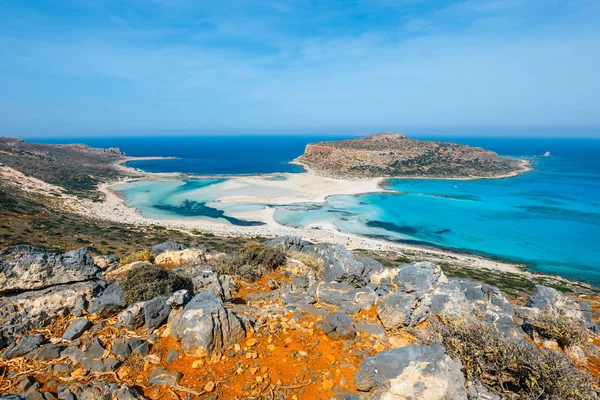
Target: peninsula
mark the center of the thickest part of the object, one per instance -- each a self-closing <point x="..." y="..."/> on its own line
<point x="396" y="155"/>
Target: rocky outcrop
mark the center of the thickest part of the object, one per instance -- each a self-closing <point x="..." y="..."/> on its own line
<point x="206" y="328"/>
<point x="167" y="246"/>
<point x="393" y="154"/>
<point x="26" y="267"/>
<point x="412" y="372"/>
<point x="422" y="289"/>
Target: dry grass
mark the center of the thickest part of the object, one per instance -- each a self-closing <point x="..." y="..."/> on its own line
<point x="509" y="365"/>
<point x="146" y="282"/>
<point x="556" y="327"/>
<point x="312" y="262"/>
<point x="141" y="255"/>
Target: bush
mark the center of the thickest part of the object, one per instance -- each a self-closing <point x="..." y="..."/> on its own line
<point x="556" y="327"/>
<point x="504" y="363"/>
<point x="248" y="261"/>
<point x="141" y="255"/>
<point x="146" y="282"/>
<point x="255" y="253"/>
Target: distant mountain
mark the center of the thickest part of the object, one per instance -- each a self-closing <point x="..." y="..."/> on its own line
<point x="396" y="155"/>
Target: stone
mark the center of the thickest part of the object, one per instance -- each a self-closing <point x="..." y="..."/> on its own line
<point x="95" y="349"/>
<point x="107" y="262"/>
<point x="121" y="347"/>
<point x="25" y="267"/>
<point x="346" y="297"/>
<point x="127" y="392"/>
<point x="396" y="309"/>
<point x="131" y="318"/>
<point x="109" y="302"/>
<point x="76" y="329"/>
<point x="205" y="280"/>
<point x="156" y="311"/>
<point x="142" y="350"/>
<point x="172" y="355"/>
<point x="337" y="325"/>
<point x="371" y="329"/>
<point x="180" y="298"/>
<point x="48" y="352"/>
<point x="161" y="376"/>
<point x="180" y="258"/>
<point x="412" y="372"/>
<point x="30" y="310"/>
<point x="205" y="327"/>
<point x="419" y="277"/>
<point x="167" y="246"/>
<point x="24" y="346"/>
<point x="551" y="300"/>
<point x="25" y="383"/>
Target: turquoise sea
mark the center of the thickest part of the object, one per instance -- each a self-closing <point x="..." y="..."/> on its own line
<point x="548" y="219"/>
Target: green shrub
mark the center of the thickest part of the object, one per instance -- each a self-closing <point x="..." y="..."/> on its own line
<point x="248" y="261"/>
<point x="141" y="255"/>
<point x="146" y="282"/>
<point x="255" y="253"/>
<point x="556" y="327"/>
<point x="506" y="364"/>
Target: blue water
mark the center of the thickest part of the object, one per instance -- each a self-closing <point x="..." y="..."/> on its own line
<point x="548" y="219"/>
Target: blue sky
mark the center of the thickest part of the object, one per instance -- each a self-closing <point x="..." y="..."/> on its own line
<point x="134" y="67"/>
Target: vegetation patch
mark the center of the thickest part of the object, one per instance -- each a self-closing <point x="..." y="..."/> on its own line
<point x="146" y="282"/>
<point x="141" y="255"/>
<point x="556" y="327"/>
<point x="509" y="365"/>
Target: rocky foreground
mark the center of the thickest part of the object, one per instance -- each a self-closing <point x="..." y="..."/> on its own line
<point x="396" y="155"/>
<point x="282" y="320"/>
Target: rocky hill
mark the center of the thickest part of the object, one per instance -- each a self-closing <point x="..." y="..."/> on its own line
<point x="396" y="155"/>
<point x="283" y="319"/>
<point x="76" y="167"/>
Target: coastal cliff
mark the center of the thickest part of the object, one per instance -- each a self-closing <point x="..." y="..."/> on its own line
<point x="396" y="155"/>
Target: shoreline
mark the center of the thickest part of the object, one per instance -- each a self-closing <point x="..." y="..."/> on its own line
<point x="114" y="208"/>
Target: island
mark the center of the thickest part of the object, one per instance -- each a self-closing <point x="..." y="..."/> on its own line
<point x="397" y="155"/>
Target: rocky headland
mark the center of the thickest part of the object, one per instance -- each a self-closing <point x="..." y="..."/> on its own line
<point x="396" y="155"/>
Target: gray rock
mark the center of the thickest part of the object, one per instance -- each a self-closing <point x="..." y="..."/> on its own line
<point x="161" y="376"/>
<point x="371" y="329"/>
<point x="48" y="352"/>
<point x="100" y="365"/>
<point x="419" y="277"/>
<point x="396" y="310"/>
<point x="109" y="302"/>
<point x="412" y="372"/>
<point x="297" y="298"/>
<point x="95" y="349"/>
<point x="30" y="310"/>
<point x="26" y="267"/>
<point x="127" y="392"/>
<point x="25" y="383"/>
<point x="338" y="325"/>
<point x="172" y="355"/>
<point x="208" y="280"/>
<point x="156" y="311"/>
<point x="342" y="267"/>
<point x="131" y="318"/>
<point x="26" y="345"/>
<point x="142" y="350"/>
<point x="98" y="390"/>
<point x="346" y="297"/>
<point x="205" y="327"/>
<point x="546" y="299"/>
<point x="167" y="246"/>
<point x="76" y="329"/>
<point x="121" y="347"/>
<point x="180" y="298"/>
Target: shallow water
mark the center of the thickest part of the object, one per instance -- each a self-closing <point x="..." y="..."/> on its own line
<point x="548" y="218"/>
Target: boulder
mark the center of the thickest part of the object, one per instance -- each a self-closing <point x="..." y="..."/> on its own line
<point x="180" y="258"/>
<point x="546" y="299"/>
<point x="109" y="302"/>
<point x="204" y="279"/>
<point x="156" y="311"/>
<point x="206" y="328"/>
<point x="338" y="325"/>
<point x="412" y="372"/>
<point x="131" y="318"/>
<point x="29" y="310"/>
<point x="76" y="329"/>
<point x="419" y="277"/>
<point x="24" y="346"/>
<point x="167" y="246"/>
<point x="346" y="297"/>
<point x="26" y="267"/>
